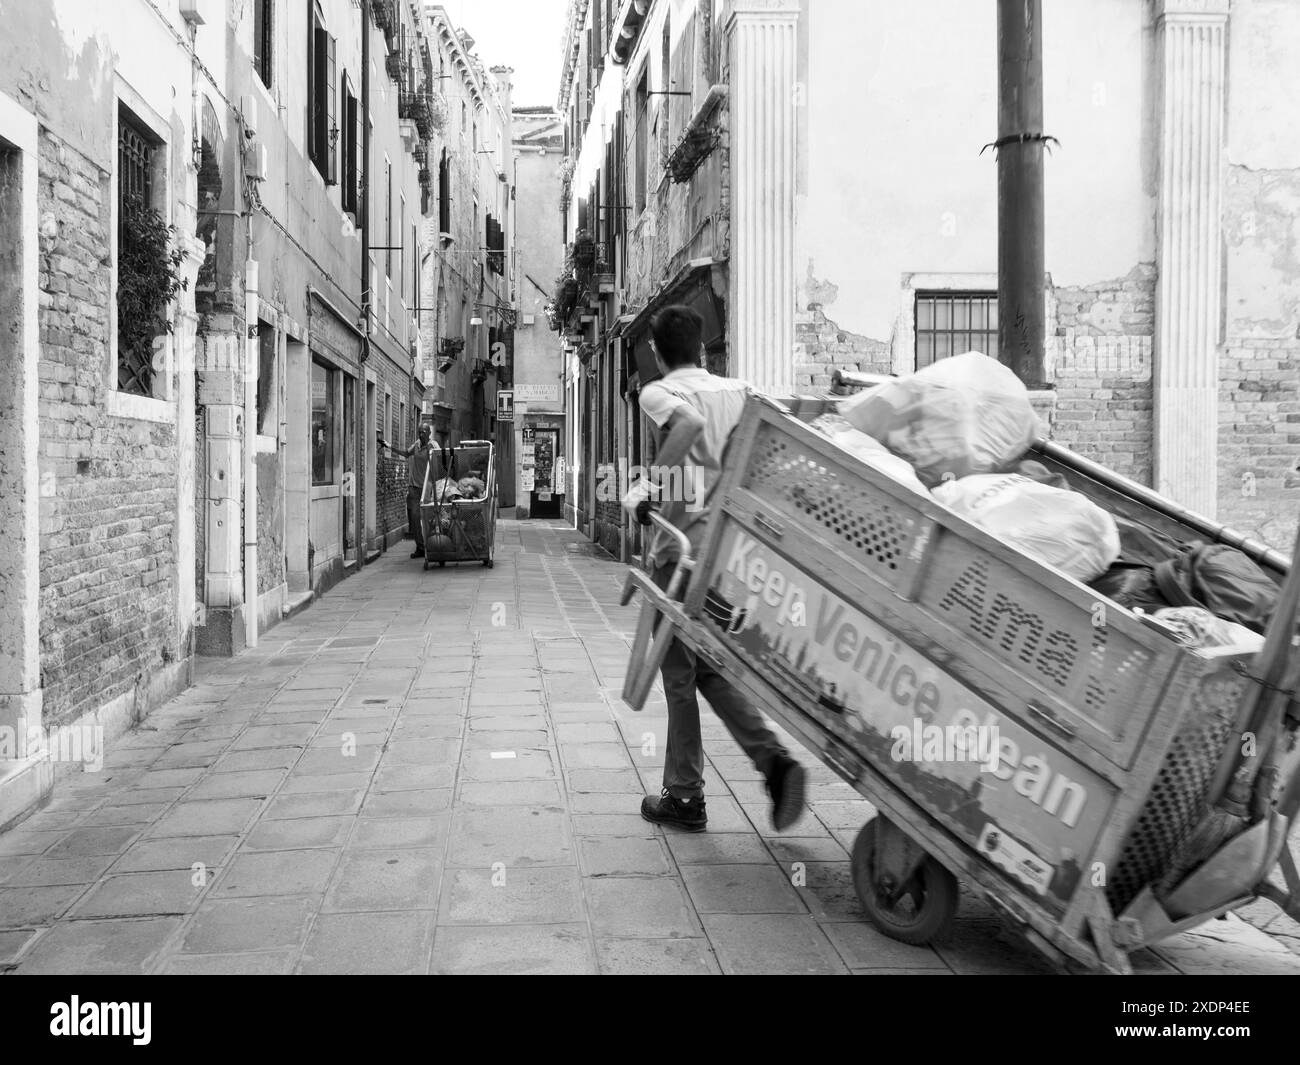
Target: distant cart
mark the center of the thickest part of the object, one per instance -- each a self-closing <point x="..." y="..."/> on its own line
<point x="896" y="641"/>
<point x="459" y="528"/>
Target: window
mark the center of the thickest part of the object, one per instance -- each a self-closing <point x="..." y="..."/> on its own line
<point x="401" y="255"/>
<point x="444" y="194"/>
<point x="464" y="118"/>
<point x="351" y="146"/>
<point x="665" y="74"/>
<point x="950" y="323"/>
<point x="642" y="133"/>
<point x="137" y="159"/>
<point x="324" y="423"/>
<point x="322" y="119"/>
<point x="388" y="217"/>
<point x="268" y="420"/>
<point x="401" y="425"/>
<point x="390" y="418"/>
<point x="263" y="38"/>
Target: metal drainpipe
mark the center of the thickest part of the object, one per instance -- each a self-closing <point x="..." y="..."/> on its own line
<point x="359" y="406"/>
<point x="252" y="365"/>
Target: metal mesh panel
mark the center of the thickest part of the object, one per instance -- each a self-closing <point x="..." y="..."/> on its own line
<point x="866" y="524"/>
<point x="1176" y="804"/>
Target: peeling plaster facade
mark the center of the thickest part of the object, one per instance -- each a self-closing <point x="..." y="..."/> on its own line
<point x="900" y="199"/>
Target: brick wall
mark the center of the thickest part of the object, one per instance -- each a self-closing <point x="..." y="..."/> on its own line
<point x="1259" y="439"/>
<point x="822" y="347"/>
<point x="270" y="523"/>
<point x="390" y="502"/>
<point x="108" y="506"/>
<point x="1102" y="353"/>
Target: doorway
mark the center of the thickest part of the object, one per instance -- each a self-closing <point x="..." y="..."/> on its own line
<point x="547" y="497"/>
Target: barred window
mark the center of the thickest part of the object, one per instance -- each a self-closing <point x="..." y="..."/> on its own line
<point x="136" y="159"/>
<point x="951" y="323"/>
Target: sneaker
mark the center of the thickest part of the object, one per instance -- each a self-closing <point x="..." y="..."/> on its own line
<point x="785" y="783"/>
<point x="688" y="814"/>
<point x="417" y="553"/>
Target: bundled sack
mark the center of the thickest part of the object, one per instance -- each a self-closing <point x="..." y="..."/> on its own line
<point x="1155" y="572"/>
<point x="1195" y="626"/>
<point x="446" y="490"/>
<point x="868" y="450"/>
<point x="472" y="488"/>
<point x="1063" y="528"/>
<point x="960" y="416"/>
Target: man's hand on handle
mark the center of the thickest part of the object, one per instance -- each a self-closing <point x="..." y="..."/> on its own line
<point x="638" y="501"/>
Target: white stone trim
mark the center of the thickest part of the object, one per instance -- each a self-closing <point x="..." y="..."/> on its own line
<point x="20" y="678"/>
<point x="141" y="408"/>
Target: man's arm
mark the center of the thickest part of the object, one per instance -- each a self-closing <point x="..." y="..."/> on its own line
<point x="679" y="434"/>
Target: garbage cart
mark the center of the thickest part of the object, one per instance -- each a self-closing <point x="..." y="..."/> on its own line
<point x="1063" y="756"/>
<point x="458" y="506"/>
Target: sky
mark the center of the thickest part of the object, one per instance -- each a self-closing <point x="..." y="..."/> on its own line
<point x="524" y="34"/>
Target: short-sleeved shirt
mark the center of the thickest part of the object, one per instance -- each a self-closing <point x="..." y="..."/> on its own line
<point x="688" y="493"/>
<point x="417" y="464"/>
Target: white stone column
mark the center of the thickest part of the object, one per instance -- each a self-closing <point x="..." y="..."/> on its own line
<point x="185" y="450"/>
<point x="762" y="41"/>
<point x="1191" y="38"/>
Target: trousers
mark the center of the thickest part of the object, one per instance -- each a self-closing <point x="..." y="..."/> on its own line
<point x="413" y="516"/>
<point x="685" y="677"/>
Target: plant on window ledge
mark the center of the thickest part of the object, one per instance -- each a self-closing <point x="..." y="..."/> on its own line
<point x="148" y="279"/>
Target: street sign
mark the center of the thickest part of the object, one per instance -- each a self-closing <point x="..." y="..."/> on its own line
<point x="530" y="435"/>
<point x="506" y="406"/>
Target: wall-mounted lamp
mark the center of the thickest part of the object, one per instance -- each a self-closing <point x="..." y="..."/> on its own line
<point x="476" y="321"/>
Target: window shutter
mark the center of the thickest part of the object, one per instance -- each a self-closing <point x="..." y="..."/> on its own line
<point x="331" y="111"/>
<point x="444" y="195"/>
<point x="311" y="80"/>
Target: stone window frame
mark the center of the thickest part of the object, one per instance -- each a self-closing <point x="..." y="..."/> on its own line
<point x="160" y="407"/>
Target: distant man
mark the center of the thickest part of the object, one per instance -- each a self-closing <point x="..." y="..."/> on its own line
<point x="417" y="464"/>
<point x="695" y="412"/>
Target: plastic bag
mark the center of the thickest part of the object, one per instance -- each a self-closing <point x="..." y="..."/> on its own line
<point x="867" y="449"/>
<point x="472" y="488"/>
<point x="445" y="490"/>
<point x="959" y="416"/>
<point x="1063" y="528"/>
<point x="1197" y="627"/>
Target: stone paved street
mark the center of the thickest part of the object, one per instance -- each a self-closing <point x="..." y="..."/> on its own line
<point x="433" y="772"/>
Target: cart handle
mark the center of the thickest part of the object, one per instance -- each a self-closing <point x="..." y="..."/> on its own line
<point x="685" y="562"/>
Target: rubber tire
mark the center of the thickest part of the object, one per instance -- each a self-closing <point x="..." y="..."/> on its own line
<point x="441" y="564"/>
<point x="487" y="562"/>
<point x="939" y="892"/>
<point x="426" y="564"/>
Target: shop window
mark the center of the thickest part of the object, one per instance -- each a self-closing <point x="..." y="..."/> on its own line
<point x="324" y="423"/>
<point x="950" y="323"/>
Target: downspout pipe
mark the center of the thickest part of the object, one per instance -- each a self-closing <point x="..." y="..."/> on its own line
<point x="252" y="366"/>
<point x="360" y="481"/>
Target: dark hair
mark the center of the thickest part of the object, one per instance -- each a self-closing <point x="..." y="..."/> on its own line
<point x="677" y="332"/>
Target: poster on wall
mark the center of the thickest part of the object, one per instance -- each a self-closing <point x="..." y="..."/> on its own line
<point x="505" y="406"/>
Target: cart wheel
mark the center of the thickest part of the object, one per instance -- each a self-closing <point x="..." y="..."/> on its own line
<point x="426" y="563"/>
<point x="916" y="912"/>
<point x="487" y="562"/>
<point x="441" y="564"/>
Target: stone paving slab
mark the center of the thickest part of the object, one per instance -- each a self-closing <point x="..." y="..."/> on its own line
<point x="394" y="782"/>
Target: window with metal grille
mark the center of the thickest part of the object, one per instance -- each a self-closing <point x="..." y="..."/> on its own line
<point x="263" y="39"/>
<point x="322" y="117"/>
<point x="351" y="148"/>
<point x="135" y="165"/>
<point x="951" y="323"/>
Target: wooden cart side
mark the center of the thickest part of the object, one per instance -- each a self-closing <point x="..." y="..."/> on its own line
<point x="881" y="791"/>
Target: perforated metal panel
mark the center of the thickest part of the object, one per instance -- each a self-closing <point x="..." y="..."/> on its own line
<point x="1156" y="849"/>
<point x="863" y="521"/>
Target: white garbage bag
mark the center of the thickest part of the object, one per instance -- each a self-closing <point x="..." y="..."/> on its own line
<point x="958" y="416"/>
<point x="866" y="449"/>
<point x="1058" y="526"/>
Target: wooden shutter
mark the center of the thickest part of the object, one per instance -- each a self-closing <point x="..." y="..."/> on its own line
<point x="311" y="79"/>
<point x="331" y="111"/>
